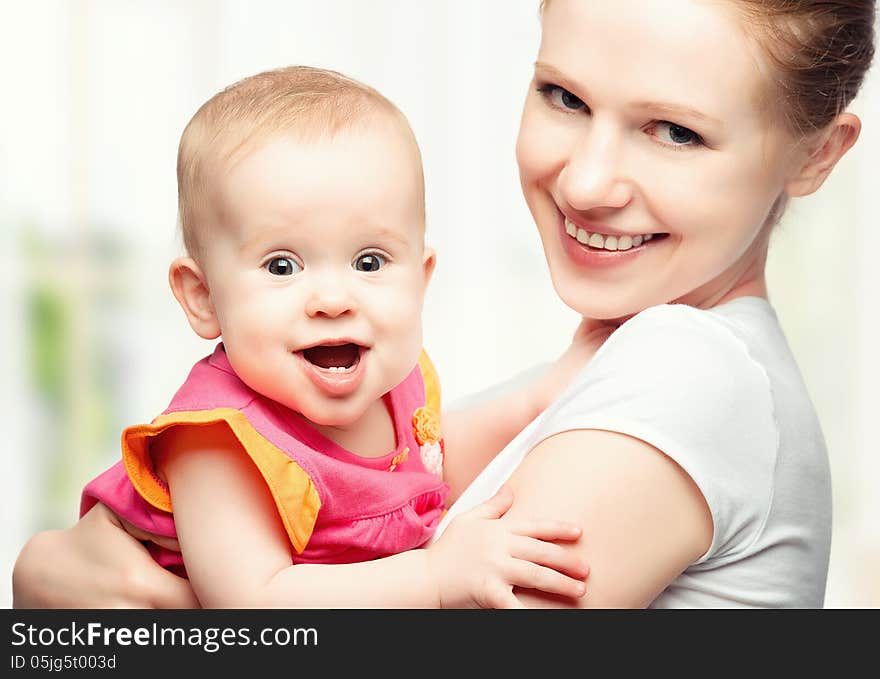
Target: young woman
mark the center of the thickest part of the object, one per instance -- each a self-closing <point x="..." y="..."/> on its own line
<point x="659" y="145"/>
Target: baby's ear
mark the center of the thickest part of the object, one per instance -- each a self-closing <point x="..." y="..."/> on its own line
<point x="190" y="287"/>
<point x="828" y="147"/>
<point x="429" y="261"/>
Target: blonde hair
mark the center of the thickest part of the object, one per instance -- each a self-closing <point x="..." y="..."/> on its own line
<point x="819" y="51"/>
<point x="308" y="101"/>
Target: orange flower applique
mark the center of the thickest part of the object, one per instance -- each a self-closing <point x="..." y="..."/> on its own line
<point x="399" y="459"/>
<point x="426" y="425"/>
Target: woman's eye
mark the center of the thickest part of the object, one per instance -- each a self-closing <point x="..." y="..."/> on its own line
<point x="561" y="97"/>
<point x="371" y="261"/>
<point x="283" y="266"/>
<point x="676" y="135"/>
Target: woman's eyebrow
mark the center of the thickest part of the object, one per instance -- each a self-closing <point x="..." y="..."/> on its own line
<point x="557" y="76"/>
<point x="662" y="108"/>
<point x="677" y="111"/>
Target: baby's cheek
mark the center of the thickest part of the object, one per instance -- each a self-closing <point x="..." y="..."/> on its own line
<point x="404" y="334"/>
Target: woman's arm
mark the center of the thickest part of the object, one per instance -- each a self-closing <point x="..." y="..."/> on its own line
<point x="94" y="564"/>
<point x="237" y="552"/>
<point x="477" y="433"/>
<point x="100" y="563"/>
<point x="644" y="518"/>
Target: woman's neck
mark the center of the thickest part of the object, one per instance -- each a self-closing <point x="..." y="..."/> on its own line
<point x="747" y="278"/>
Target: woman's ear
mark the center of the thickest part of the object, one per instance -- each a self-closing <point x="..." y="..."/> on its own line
<point x="827" y="148"/>
<point x="190" y="288"/>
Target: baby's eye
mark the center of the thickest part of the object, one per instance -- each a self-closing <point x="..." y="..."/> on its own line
<point x="676" y="135"/>
<point x="369" y="262"/>
<point x="561" y="97"/>
<point x="283" y="266"/>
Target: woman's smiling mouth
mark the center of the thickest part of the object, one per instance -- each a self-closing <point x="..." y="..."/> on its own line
<point x="610" y="243"/>
<point x="596" y="251"/>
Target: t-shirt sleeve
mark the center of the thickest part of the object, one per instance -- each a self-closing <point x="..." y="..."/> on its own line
<point x="684" y="382"/>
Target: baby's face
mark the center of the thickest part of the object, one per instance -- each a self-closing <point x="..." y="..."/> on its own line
<point x="318" y="269"/>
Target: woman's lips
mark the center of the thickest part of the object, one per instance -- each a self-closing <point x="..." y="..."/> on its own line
<point x="582" y="254"/>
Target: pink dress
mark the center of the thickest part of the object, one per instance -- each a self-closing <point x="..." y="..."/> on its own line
<point x="336" y="507"/>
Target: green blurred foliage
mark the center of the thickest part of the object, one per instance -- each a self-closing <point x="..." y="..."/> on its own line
<point x="72" y="292"/>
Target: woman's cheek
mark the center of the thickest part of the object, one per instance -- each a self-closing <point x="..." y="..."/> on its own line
<point x="527" y="161"/>
<point x="542" y="147"/>
<point x="681" y="201"/>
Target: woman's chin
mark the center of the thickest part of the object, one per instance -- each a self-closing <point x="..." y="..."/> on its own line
<point x="588" y="306"/>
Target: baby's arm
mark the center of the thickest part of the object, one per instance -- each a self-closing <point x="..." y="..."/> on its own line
<point x="475" y="434"/>
<point x="237" y="553"/>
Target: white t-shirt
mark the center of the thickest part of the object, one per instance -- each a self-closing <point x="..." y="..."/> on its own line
<point x="719" y="392"/>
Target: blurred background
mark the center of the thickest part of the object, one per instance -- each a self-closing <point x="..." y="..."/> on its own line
<point x="95" y="95"/>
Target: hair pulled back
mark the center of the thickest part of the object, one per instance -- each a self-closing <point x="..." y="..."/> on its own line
<point x="819" y="52"/>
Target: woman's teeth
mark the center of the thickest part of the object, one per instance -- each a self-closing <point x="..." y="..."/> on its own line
<point x="601" y="242"/>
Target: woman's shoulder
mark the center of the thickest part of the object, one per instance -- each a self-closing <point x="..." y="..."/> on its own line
<point x="739" y="321"/>
<point x="687" y="350"/>
<point x="676" y="374"/>
<point x="688" y="382"/>
<point x="676" y="365"/>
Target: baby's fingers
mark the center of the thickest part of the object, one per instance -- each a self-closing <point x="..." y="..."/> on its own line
<point x="546" y="529"/>
<point x="533" y="576"/>
<point x="502" y="596"/>
<point x="496" y="506"/>
<point x="550" y="555"/>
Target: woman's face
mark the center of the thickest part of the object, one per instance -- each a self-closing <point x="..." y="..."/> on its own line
<point x="646" y="157"/>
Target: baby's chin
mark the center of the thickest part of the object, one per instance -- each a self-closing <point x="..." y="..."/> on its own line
<point x="321" y="410"/>
<point x="333" y="414"/>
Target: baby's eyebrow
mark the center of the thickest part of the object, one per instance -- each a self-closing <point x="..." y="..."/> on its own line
<point x="384" y="233"/>
<point x="263" y="236"/>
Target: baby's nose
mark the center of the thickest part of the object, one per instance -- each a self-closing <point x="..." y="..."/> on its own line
<point x="330" y="301"/>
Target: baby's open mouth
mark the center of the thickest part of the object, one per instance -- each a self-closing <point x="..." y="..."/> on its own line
<point x="334" y="357"/>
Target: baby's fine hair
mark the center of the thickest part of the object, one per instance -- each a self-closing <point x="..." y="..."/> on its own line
<point x="309" y="102"/>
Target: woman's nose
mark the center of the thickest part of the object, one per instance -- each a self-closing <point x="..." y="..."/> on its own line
<point x="594" y="175"/>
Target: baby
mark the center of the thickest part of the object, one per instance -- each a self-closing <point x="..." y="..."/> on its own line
<point x="311" y="435"/>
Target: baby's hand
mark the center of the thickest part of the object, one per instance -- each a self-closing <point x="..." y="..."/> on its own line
<point x="587" y="339"/>
<point x="482" y="556"/>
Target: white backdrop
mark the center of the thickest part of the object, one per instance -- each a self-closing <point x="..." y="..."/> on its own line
<point x="95" y="95"/>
